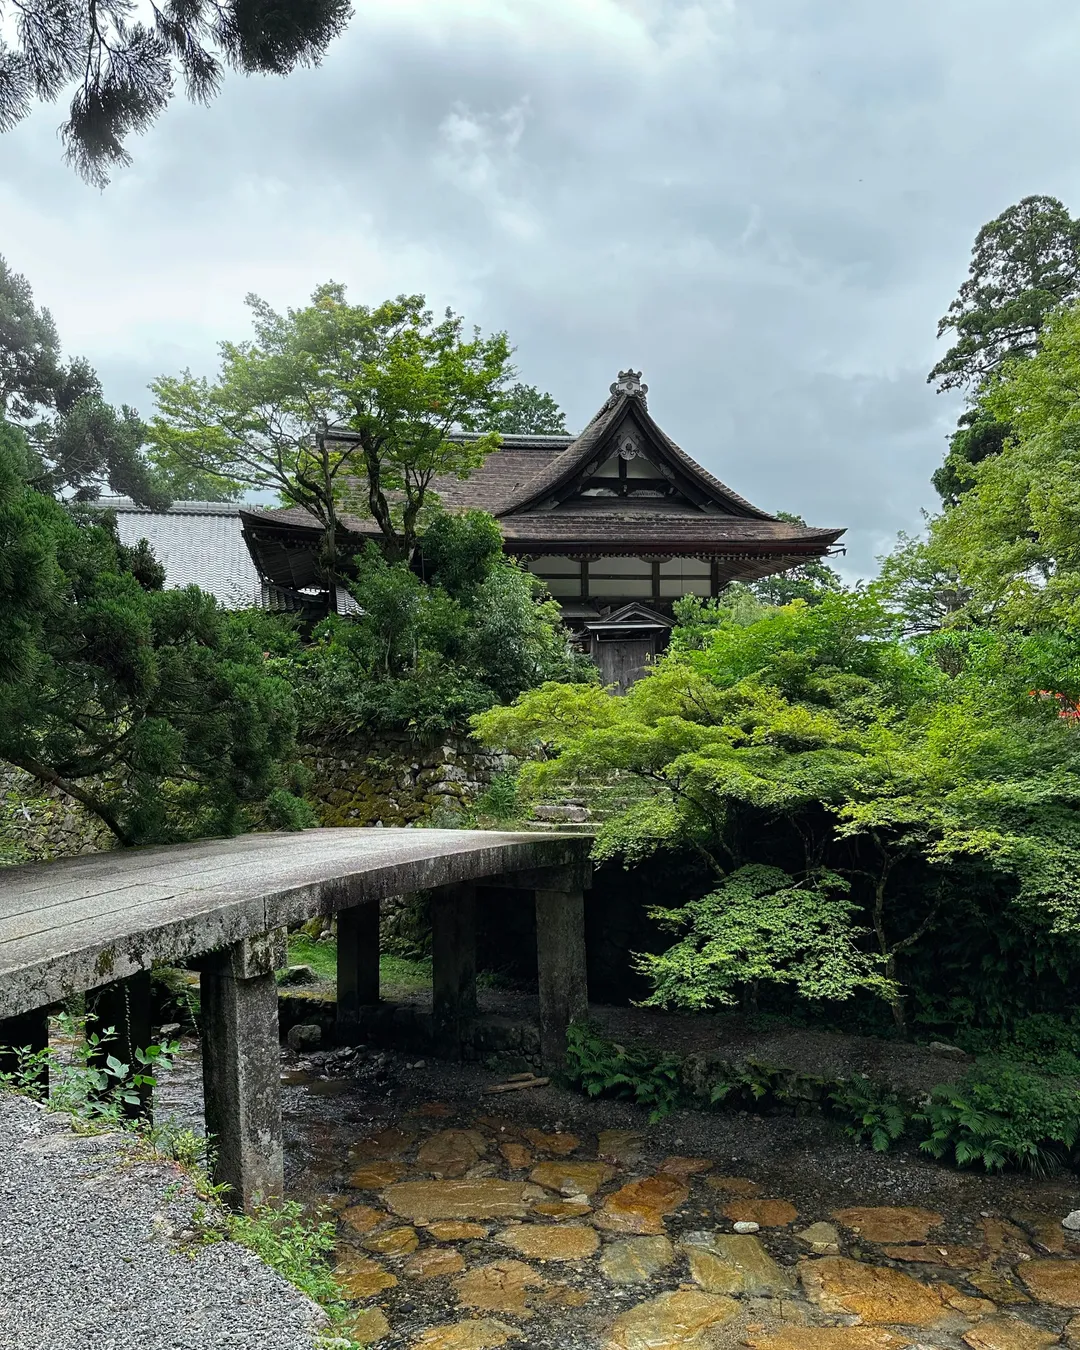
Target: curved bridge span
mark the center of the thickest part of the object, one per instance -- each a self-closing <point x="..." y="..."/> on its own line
<point x="100" y="922"/>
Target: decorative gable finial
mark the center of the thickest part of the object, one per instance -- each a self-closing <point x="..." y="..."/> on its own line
<point x="629" y="383"/>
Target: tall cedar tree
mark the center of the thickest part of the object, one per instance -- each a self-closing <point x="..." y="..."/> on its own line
<point x="124" y="70"/>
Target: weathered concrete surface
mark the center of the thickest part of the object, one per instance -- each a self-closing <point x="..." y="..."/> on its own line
<point x="74" y="925"/>
<point x="453" y="965"/>
<point x="560" y="951"/>
<point x="241" y="1069"/>
<point x="357" y="966"/>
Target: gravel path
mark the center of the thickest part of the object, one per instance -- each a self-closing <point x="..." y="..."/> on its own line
<point x="89" y="1258"/>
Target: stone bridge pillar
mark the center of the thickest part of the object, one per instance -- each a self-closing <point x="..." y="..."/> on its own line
<point x="453" y="966"/>
<point x="242" y="1067"/>
<point x="357" y="967"/>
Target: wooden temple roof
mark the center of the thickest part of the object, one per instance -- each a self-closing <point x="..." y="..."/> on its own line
<point x="561" y="495"/>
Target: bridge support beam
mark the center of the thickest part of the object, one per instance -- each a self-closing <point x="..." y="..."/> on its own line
<point x="357" y="966"/>
<point x="453" y="966"/>
<point x="125" y="1006"/>
<point x="560" y="959"/>
<point x="30" y="1032"/>
<point x="242" y="1067"/>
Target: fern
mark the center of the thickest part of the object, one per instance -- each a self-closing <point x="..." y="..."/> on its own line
<point x="870" y="1112"/>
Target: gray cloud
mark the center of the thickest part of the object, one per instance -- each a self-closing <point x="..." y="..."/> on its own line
<point x="765" y="204"/>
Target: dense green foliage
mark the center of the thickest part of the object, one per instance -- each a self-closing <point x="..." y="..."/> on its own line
<point x="525" y="410"/>
<point x="153" y="708"/>
<point x="393" y="379"/>
<point x="428" y="652"/>
<point x="123" y="73"/>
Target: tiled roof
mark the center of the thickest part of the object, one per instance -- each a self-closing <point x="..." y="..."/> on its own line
<point x="198" y="544"/>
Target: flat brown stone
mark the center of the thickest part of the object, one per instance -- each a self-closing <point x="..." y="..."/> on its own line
<point x="484" y="1333"/>
<point x="558" y="1143"/>
<point x="997" y="1287"/>
<point x="1056" y="1282"/>
<point x="639" y="1206"/>
<point x="362" y="1218"/>
<point x="1005" y="1239"/>
<point x="735" y="1263"/>
<point x="374" y="1176"/>
<point x="671" y="1320"/>
<point x="874" y="1293"/>
<point x="552" y="1242"/>
<point x="821" y="1238"/>
<point x="927" y="1254"/>
<point x="563" y="1296"/>
<point x="389" y="1143"/>
<point x="828" y="1338"/>
<point x="432" y="1262"/>
<point x="767" y="1213"/>
<point x="572" y="1178"/>
<point x="359" y="1277"/>
<point x="684" y="1167"/>
<point x="1046" y="1230"/>
<point x="448" y="1231"/>
<point x="733" y="1185"/>
<point x="451" y="1153"/>
<point x="1072" y="1332"/>
<point x="889" y="1223"/>
<point x="636" y="1260"/>
<point x="485" y="1199"/>
<point x="517" y="1155"/>
<point x="434" y="1110"/>
<point x="1008" y="1333"/>
<point x="502" y="1286"/>
<point x="562" y="1209"/>
<point x="394" y="1242"/>
<point x="620" y="1146"/>
<point x="964" y="1303"/>
<point x="368" y="1326"/>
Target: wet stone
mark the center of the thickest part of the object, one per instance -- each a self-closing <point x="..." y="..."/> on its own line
<point x="572" y="1178"/>
<point x="766" y="1213"/>
<point x="516" y="1155"/>
<point x="558" y="1144"/>
<point x="874" y="1293"/>
<point x="502" y="1286"/>
<point x="636" y="1260"/>
<point x="434" y="1110"/>
<point x="394" y="1242"/>
<point x="1008" y="1333"/>
<point x="1072" y="1332"/>
<point x="889" y="1223"/>
<point x="482" y="1334"/>
<point x="448" y="1231"/>
<point x="726" y="1263"/>
<point x="684" y="1167"/>
<point x="552" y="1242"/>
<point x="620" y="1146"/>
<point x="639" y="1206"/>
<point x="360" y="1277"/>
<point x="822" y="1239"/>
<point x="432" y="1262"/>
<point x="734" y="1185"/>
<point x="362" y="1218"/>
<point x="955" y="1258"/>
<point x="368" y="1326"/>
<point x="997" y="1287"/>
<point x="1056" y="1282"/>
<point x="562" y="1209"/>
<point x="671" y="1320"/>
<point x="487" y="1199"/>
<point x="1005" y="1239"/>
<point x="828" y="1338"/>
<point x="378" y="1147"/>
<point x="451" y="1153"/>
<point x="1046" y="1230"/>
<point x="374" y="1176"/>
<point x="964" y="1303"/>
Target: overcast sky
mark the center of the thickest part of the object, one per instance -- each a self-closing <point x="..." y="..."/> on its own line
<point x="765" y="205"/>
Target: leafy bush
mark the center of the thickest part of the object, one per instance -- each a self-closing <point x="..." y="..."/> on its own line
<point x="870" y="1111"/>
<point x="1001" y="1116"/>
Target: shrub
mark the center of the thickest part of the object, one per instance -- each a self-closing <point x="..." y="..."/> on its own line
<point x="870" y="1111"/>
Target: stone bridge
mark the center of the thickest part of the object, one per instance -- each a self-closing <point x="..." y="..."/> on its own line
<point x="224" y="905"/>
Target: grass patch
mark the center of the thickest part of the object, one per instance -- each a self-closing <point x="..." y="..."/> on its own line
<point x="397" y="974"/>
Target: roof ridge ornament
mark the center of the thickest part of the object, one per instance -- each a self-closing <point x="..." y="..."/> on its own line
<point x="629" y="383"/>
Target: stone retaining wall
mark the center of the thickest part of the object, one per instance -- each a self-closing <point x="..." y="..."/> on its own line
<point x="39" y="823"/>
<point x="398" y="779"/>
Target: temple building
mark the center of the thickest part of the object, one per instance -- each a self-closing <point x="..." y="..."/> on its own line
<point x="618" y="521"/>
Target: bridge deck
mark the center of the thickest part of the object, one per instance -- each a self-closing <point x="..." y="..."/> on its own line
<point x="79" y="923"/>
